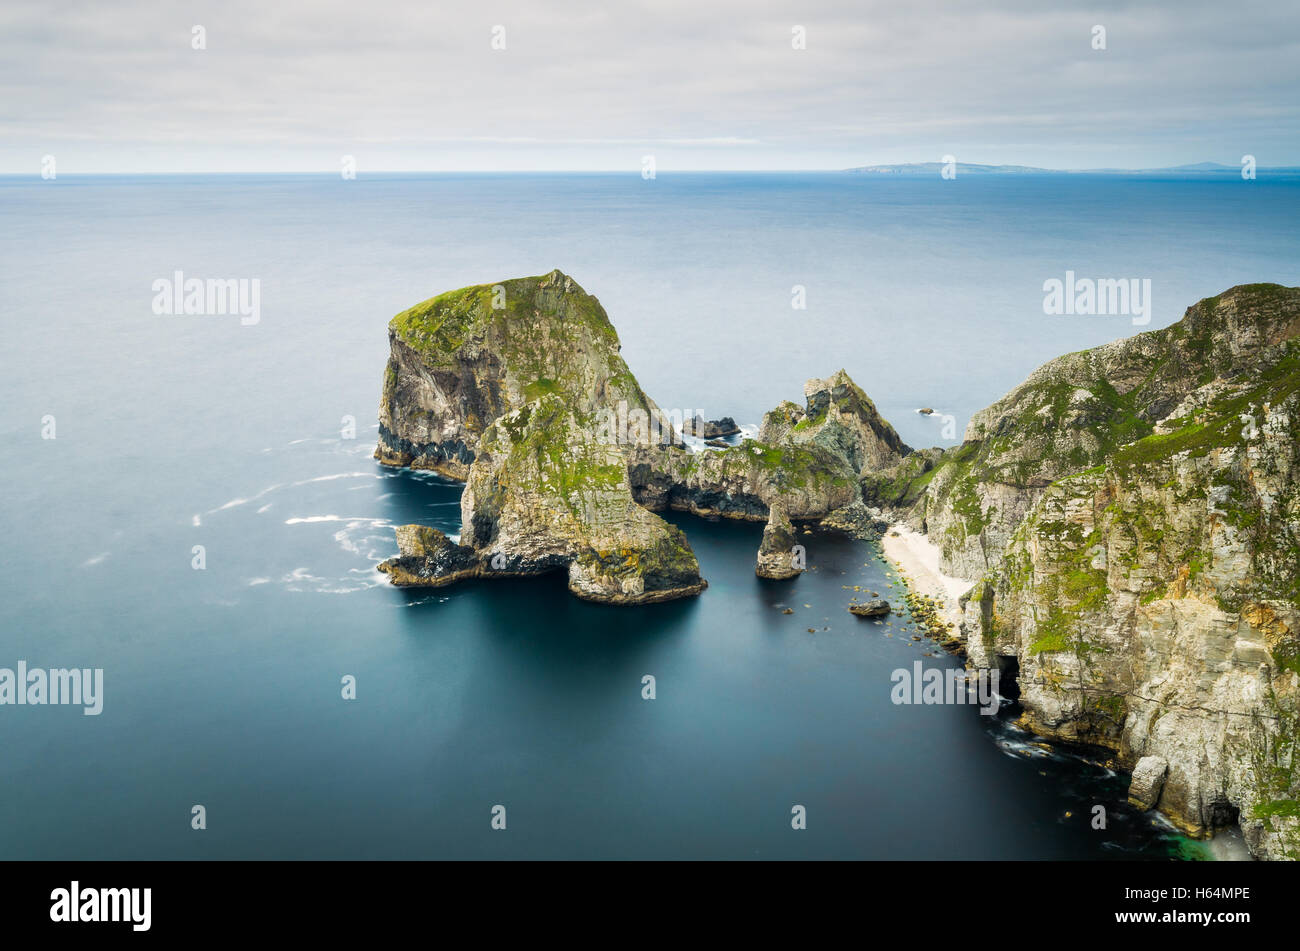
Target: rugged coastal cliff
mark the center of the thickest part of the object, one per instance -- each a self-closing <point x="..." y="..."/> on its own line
<point x="1133" y="512"/>
<point x="1072" y="413"/>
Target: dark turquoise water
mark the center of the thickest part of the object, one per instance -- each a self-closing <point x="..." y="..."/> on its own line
<point x="222" y="685"/>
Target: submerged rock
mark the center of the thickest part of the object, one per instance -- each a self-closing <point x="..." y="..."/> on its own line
<point x="876" y="607"/>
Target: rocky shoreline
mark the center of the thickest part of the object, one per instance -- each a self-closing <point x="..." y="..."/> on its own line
<point x="1129" y="517"/>
<point x="1132" y="514"/>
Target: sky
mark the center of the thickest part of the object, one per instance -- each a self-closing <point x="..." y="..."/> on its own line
<point x="697" y="84"/>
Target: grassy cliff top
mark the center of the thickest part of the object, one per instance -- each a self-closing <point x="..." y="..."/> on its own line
<point x="1217" y="336"/>
<point x="438" y="327"/>
<point x="1115" y="393"/>
<point x="1101" y="407"/>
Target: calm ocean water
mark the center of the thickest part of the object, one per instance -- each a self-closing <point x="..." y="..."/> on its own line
<point x="222" y="685"/>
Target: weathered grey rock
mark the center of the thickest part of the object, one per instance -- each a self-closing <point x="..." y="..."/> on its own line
<point x="779" y="555"/>
<point x="545" y="493"/>
<point x="808" y="458"/>
<point x="461" y="360"/>
<point x="1143" y="573"/>
<point x="712" y="428"/>
<point x="1148" y="779"/>
<point x="518" y="388"/>
<point x="428" y="558"/>
<point x="876" y="607"/>
<point x="857" y="520"/>
<point x="743" y="481"/>
<point x="839" y="417"/>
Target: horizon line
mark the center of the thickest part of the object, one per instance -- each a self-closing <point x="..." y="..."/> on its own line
<point x="1012" y="170"/>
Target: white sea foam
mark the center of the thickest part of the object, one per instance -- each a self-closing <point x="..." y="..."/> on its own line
<point x="337" y="475"/>
<point x="1228" y="845"/>
<point x="349" y="543"/>
<point x="312" y="519"/>
<point x="301" y="579"/>
<point x="235" y="503"/>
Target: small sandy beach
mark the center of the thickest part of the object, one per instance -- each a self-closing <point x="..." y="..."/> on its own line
<point x="917" y="559"/>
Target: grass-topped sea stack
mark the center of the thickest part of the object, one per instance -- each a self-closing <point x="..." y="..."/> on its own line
<point x="461" y="360"/>
<point x="511" y="387"/>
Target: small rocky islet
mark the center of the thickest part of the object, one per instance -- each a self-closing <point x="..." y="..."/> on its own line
<point x="1131" y="514"/>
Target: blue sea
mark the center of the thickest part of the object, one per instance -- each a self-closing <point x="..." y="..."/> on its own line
<point x="222" y="686"/>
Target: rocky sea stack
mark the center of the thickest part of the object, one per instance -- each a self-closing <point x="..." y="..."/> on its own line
<point x="778" y="555"/>
<point x="518" y="389"/>
<point x="512" y="388"/>
<point x="460" y="361"/>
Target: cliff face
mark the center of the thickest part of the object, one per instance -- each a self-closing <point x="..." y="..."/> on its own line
<point x="1134" y="512"/>
<point x="544" y="492"/>
<point x="518" y="388"/>
<point x="838" y="417"/>
<point x="463" y="359"/>
<point x="1073" y="412"/>
<point x="809" y="459"/>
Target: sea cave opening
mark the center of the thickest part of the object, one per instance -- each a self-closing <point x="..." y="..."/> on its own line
<point x="1008" y="666"/>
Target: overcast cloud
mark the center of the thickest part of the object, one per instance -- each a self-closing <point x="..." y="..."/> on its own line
<point x="700" y="84"/>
